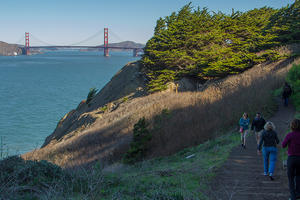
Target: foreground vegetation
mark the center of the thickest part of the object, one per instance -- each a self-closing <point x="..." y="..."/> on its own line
<point x="204" y="45"/>
<point x="293" y="78"/>
<point x="184" y="175"/>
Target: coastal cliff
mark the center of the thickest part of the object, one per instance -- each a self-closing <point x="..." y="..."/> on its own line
<point x="9" y="49"/>
<point x="128" y="83"/>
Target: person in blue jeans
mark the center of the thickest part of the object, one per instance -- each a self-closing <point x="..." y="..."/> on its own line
<point x="269" y="141"/>
<point x="244" y="127"/>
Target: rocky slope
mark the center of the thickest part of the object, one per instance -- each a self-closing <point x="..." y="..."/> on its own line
<point x="9" y="49"/>
<point x="128" y="83"/>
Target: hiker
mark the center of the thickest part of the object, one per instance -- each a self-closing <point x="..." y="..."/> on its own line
<point x="269" y="140"/>
<point x="286" y="93"/>
<point x="258" y="126"/>
<point x="292" y="140"/>
<point x="244" y="126"/>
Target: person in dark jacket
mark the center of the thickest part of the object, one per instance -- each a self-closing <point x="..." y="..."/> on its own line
<point x="286" y="93"/>
<point x="292" y="140"/>
<point x="257" y="125"/>
<point x="269" y="140"/>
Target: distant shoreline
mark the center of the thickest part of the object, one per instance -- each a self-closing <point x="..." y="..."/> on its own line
<point x="10" y="49"/>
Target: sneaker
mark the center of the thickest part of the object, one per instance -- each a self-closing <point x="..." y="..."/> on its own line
<point x="244" y="146"/>
<point x="271" y="177"/>
<point x="265" y="174"/>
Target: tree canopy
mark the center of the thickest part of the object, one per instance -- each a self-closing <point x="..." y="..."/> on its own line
<point x="205" y="45"/>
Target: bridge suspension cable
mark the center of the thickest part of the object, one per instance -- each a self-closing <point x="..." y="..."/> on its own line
<point x="41" y="41"/>
<point x="111" y="33"/>
<point x="95" y="35"/>
<point x="21" y="40"/>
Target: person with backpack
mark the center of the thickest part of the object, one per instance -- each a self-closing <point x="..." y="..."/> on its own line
<point x="257" y="125"/>
<point x="268" y="140"/>
<point x="286" y="93"/>
<point x="244" y="126"/>
<point x="292" y="140"/>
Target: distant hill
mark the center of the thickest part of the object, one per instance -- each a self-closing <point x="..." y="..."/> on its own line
<point x="9" y="49"/>
<point x="126" y="44"/>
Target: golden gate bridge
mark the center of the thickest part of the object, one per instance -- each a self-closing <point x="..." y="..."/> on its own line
<point x="106" y="47"/>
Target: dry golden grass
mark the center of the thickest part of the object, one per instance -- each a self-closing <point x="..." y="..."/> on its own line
<point x="194" y="118"/>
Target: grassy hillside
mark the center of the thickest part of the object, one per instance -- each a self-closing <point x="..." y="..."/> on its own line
<point x="193" y="118"/>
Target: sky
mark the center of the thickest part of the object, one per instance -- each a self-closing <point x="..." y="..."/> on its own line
<point x="64" y="22"/>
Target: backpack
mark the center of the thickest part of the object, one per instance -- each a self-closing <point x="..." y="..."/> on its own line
<point x="287" y="90"/>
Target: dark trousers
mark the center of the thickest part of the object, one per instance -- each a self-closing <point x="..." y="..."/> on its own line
<point x="293" y="172"/>
<point x="285" y="101"/>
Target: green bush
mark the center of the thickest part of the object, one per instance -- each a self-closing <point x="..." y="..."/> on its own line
<point x="16" y="171"/>
<point x="26" y="179"/>
<point x="125" y="99"/>
<point x="138" y="146"/>
<point x="91" y="95"/>
<point x="293" y="78"/>
<point x="296" y="101"/>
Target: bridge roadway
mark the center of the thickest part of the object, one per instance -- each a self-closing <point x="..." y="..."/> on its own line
<point x="84" y="47"/>
<point x="135" y="50"/>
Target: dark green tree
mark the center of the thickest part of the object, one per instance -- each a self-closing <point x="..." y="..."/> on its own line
<point x="138" y="146"/>
<point x="206" y="45"/>
<point x="91" y="95"/>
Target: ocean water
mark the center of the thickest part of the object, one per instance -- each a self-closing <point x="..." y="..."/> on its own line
<point x="37" y="91"/>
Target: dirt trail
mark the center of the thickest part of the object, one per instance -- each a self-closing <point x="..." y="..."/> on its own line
<point x="241" y="176"/>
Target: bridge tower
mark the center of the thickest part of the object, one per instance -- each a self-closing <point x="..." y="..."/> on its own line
<point x="27" y="51"/>
<point x="106" y="52"/>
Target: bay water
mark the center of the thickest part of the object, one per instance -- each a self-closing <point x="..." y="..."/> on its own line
<point x="37" y="91"/>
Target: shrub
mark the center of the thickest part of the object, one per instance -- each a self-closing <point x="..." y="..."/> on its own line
<point x="138" y="146"/>
<point x="293" y="78"/>
<point x="26" y="179"/>
<point x="28" y="172"/>
<point x="125" y="99"/>
<point x="91" y="95"/>
<point x="104" y="108"/>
